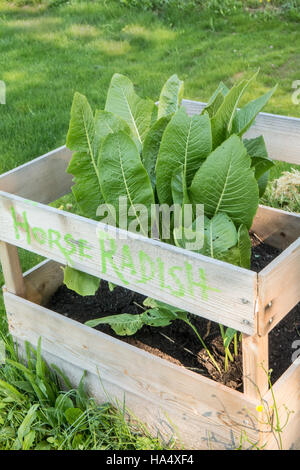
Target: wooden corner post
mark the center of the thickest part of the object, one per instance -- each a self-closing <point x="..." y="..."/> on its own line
<point x="255" y="365"/>
<point x="255" y="350"/>
<point x="12" y="270"/>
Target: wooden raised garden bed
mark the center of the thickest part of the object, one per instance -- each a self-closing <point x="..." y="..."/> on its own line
<point x="169" y="398"/>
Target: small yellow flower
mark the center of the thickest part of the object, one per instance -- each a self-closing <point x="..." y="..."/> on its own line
<point x="259" y="408"/>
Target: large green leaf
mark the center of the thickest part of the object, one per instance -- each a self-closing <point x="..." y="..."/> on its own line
<point x="151" y="146"/>
<point x="81" y="131"/>
<point x="244" y="245"/>
<point x="260" y="161"/>
<point x="170" y="97"/>
<point x="161" y="316"/>
<point x="186" y="142"/>
<point x="83" y="165"/>
<point x="80" y="282"/>
<point x="216" y="100"/>
<point x="213" y="107"/>
<point x="263" y="183"/>
<point x="221" y="123"/>
<point x="231" y="256"/>
<point x="154" y="304"/>
<point x="125" y="103"/>
<point x="245" y="116"/>
<point x="221" y="88"/>
<point x="107" y="123"/>
<point x="226" y="183"/>
<point x="85" y="136"/>
<point x="122" y="174"/>
<point x="179" y="187"/>
<point x="126" y="324"/>
<point x="86" y="183"/>
<point x="220" y="235"/>
<point x="185" y="237"/>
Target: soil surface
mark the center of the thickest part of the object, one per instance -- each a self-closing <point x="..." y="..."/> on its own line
<point x="177" y="342"/>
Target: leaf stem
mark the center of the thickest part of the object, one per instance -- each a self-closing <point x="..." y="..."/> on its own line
<point x="235" y="344"/>
<point x="203" y="344"/>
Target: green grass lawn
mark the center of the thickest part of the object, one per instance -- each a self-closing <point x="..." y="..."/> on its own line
<point x="46" y="54"/>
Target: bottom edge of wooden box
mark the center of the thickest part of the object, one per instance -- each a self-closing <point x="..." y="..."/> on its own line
<point x="173" y="402"/>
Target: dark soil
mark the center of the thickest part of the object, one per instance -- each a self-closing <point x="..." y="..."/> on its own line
<point x="177" y="342"/>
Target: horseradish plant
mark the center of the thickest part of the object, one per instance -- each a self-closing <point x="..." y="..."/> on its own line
<point x="151" y="153"/>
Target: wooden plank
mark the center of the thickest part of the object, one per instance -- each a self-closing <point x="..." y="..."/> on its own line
<point x="158" y="392"/>
<point x="281" y="133"/>
<point x="162" y="421"/>
<point x="278" y="287"/>
<point x="12" y="270"/>
<point x="42" y="281"/>
<point x="276" y="227"/>
<point x="197" y="283"/>
<point x="47" y="277"/>
<point x="43" y="179"/>
<point x="287" y="397"/>
<point x="255" y="360"/>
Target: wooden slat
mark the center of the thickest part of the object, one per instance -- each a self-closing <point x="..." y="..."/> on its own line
<point x="281" y="133"/>
<point x="43" y="179"/>
<point x="255" y="360"/>
<point x="287" y="396"/>
<point x="12" y="270"/>
<point x="45" y="278"/>
<point x="276" y="227"/>
<point x="42" y="281"/>
<point x="214" y="297"/>
<point x="279" y="288"/>
<point x="205" y="413"/>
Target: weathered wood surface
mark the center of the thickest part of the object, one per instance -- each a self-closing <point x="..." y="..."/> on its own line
<point x="212" y="289"/>
<point x="170" y="399"/>
<point x="276" y="227"/>
<point x="287" y="396"/>
<point x="42" y="281"/>
<point x="203" y="414"/>
<point x="11" y="269"/>
<point x="281" y="133"/>
<point x="43" y="179"/>
<point x="255" y="362"/>
<point x="279" y="287"/>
